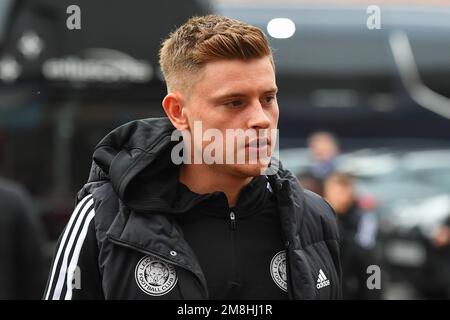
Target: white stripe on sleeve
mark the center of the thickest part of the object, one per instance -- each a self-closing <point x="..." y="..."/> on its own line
<point x="74" y="261"/>
<point x="63" y="242"/>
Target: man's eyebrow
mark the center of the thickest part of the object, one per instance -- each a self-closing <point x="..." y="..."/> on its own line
<point x="229" y="95"/>
<point x="240" y="94"/>
<point x="273" y="90"/>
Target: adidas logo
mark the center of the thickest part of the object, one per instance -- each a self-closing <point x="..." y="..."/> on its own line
<point x="322" y="280"/>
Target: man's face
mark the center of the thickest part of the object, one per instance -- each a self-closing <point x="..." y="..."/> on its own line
<point x="236" y="94"/>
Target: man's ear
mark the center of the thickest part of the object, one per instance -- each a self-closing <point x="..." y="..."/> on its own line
<point x="172" y="104"/>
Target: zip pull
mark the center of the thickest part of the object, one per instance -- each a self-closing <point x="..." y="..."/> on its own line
<point x="233" y="220"/>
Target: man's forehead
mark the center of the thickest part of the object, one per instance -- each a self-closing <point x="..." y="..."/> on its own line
<point x="229" y="66"/>
<point x="234" y="76"/>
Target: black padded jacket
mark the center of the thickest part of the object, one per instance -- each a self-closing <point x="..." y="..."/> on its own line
<point x="123" y="242"/>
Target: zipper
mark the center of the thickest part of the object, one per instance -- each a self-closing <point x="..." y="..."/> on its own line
<point x="233" y="246"/>
<point x="232" y="220"/>
<point x="148" y="252"/>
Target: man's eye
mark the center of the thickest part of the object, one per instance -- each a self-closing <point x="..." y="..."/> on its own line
<point x="268" y="99"/>
<point x="234" y="103"/>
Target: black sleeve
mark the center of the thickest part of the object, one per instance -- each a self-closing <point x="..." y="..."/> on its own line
<point x="335" y="248"/>
<point x="74" y="274"/>
<point x="90" y="284"/>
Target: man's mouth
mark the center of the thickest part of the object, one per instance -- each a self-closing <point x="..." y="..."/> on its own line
<point x="260" y="143"/>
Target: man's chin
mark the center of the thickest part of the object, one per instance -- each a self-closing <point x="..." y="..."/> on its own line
<point x="247" y="170"/>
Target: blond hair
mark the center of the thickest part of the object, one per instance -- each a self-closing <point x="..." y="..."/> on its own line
<point x="205" y="39"/>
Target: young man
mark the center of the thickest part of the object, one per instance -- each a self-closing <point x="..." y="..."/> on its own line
<point x="149" y="227"/>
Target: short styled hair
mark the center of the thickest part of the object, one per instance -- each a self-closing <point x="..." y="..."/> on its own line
<point x="205" y="39"/>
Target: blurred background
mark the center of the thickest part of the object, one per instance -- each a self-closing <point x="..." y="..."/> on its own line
<point x="364" y="96"/>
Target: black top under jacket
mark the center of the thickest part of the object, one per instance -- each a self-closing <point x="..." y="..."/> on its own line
<point x="235" y="246"/>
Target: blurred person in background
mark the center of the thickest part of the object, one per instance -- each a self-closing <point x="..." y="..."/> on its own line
<point x="310" y="182"/>
<point x="439" y="258"/>
<point x="358" y="229"/>
<point x="441" y="236"/>
<point x="23" y="265"/>
<point x="324" y="148"/>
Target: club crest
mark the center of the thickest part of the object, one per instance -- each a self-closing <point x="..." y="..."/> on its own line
<point x="154" y="276"/>
<point x="278" y="270"/>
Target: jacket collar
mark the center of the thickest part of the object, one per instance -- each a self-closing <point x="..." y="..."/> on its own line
<point x="290" y="205"/>
<point x="160" y="234"/>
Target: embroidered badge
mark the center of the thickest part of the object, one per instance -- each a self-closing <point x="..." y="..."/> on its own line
<point x="278" y="270"/>
<point x="154" y="276"/>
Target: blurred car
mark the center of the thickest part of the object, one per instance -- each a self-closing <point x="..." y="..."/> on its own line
<point x="411" y="188"/>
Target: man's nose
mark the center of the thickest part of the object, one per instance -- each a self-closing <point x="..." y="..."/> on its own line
<point x="258" y="117"/>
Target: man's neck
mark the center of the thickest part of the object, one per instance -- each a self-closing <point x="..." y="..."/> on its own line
<point x="202" y="178"/>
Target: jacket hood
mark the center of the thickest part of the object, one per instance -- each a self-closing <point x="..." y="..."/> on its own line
<point x="135" y="158"/>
